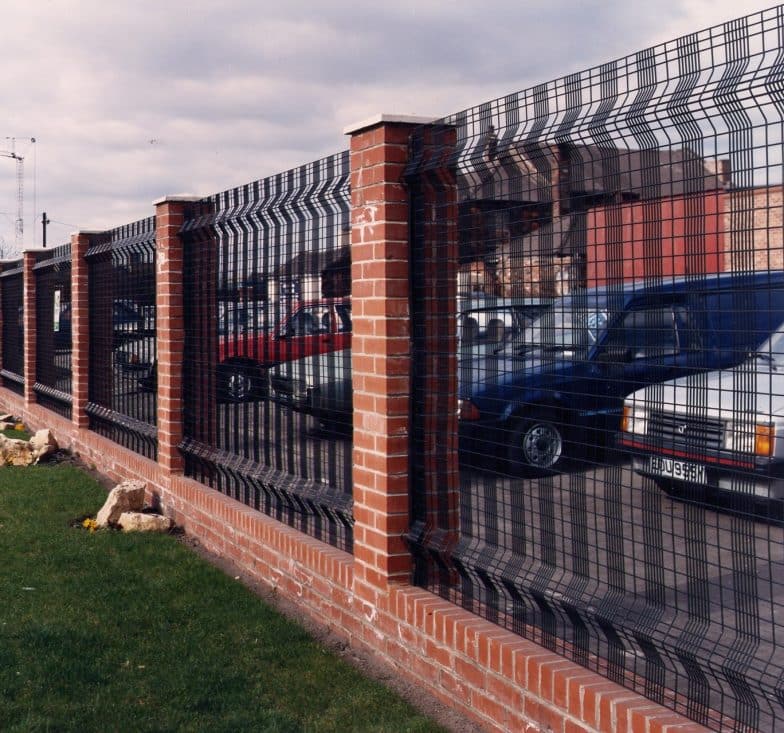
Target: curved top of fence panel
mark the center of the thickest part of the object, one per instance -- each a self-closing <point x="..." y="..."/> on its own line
<point x="681" y="117"/>
<point x="56" y="256"/>
<point x="15" y="267"/>
<point x="136" y="236"/>
<point x="304" y="193"/>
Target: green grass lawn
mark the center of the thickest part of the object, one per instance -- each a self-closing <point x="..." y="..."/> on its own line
<point x="108" y="631"/>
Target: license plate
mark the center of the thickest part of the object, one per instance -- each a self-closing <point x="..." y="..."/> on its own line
<point x="679" y="470"/>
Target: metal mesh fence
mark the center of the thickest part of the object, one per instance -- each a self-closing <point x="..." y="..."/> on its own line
<point x="122" y="397"/>
<point x="267" y="348"/>
<point x="11" y="292"/>
<point x="53" y="330"/>
<point x="598" y="269"/>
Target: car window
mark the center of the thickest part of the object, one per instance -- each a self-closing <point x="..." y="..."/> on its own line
<point x="310" y="320"/>
<point x="646" y="333"/>
<point x="493" y="326"/>
<point x="742" y="318"/>
<point x="566" y="327"/>
<point x="124" y="313"/>
<point x="343" y="311"/>
<point x="242" y="318"/>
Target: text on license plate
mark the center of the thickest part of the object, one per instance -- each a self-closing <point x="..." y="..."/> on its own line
<point x="679" y="470"/>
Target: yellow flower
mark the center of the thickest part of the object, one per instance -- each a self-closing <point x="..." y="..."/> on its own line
<point x="90" y="524"/>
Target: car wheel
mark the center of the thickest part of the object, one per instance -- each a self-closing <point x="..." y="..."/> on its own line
<point x="537" y="445"/>
<point x="239" y="382"/>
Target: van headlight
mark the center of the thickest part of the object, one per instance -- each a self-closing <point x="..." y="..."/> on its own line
<point x="755" y="438"/>
<point x="634" y="419"/>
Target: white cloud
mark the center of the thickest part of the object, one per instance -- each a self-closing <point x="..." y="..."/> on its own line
<point x="132" y="101"/>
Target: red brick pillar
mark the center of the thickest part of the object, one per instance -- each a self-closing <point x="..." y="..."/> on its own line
<point x="433" y="192"/>
<point x="170" y="327"/>
<point x="380" y="351"/>
<point x="80" y="328"/>
<point x="29" y="258"/>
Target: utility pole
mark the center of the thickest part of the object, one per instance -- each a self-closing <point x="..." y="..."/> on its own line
<point x="44" y="222"/>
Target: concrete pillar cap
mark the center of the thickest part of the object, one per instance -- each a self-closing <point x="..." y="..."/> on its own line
<point x="383" y="118"/>
<point x="182" y="198"/>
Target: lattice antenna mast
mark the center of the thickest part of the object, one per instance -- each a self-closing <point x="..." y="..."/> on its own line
<point x="19" y="223"/>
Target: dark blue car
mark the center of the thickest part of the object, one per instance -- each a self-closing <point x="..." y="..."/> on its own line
<point x="560" y="392"/>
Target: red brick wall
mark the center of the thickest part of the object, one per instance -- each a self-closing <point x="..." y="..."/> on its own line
<point x="754" y="233"/>
<point x="492" y="676"/>
<point x="664" y="237"/>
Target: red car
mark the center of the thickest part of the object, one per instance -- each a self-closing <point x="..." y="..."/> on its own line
<point x="246" y="352"/>
<point x="247" y="347"/>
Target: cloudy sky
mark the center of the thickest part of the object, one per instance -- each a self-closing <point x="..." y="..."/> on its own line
<point x="129" y="101"/>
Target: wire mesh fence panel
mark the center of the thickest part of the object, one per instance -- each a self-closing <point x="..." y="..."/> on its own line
<point x="53" y="330"/>
<point x="267" y="371"/>
<point x="122" y="393"/>
<point x="11" y="292"/>
<point x="598" y="304"/>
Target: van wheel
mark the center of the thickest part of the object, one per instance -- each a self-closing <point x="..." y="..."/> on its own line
<point x="537" y="445"/>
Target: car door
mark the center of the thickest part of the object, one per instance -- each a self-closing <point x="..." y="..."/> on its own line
<point x="315" y="328"/>
<point x="342" y="325"/>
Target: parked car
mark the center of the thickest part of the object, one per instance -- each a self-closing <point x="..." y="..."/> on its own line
<point x="320" y="384"/>
<point x="129" y="322"/>
<point x="137" y="356"/>
<point x="721" y="431"/>
<point x="486" y="323"/>
<point x="247" y="347"/>
<point x="537" y="404"/>
<point x="315" y="327"/>
<point x="140" y="355"/>
<point x="128" y="319"/>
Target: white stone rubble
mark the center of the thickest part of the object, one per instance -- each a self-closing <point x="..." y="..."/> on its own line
<point x="125" y="497"/>
<point x="140" y="522"/>
<point x="42" y="444"/>
<point x="123" y="506"/>
<point x="15" y="452"/>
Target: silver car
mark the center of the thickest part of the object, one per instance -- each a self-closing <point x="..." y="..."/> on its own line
<point x="722" y="430"/>
<point x="321" y="384"/>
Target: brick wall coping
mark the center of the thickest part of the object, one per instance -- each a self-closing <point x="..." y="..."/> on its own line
<point x="385" y="118"/>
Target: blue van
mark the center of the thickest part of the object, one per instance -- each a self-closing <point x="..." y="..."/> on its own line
<point x="561" y="391"/>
